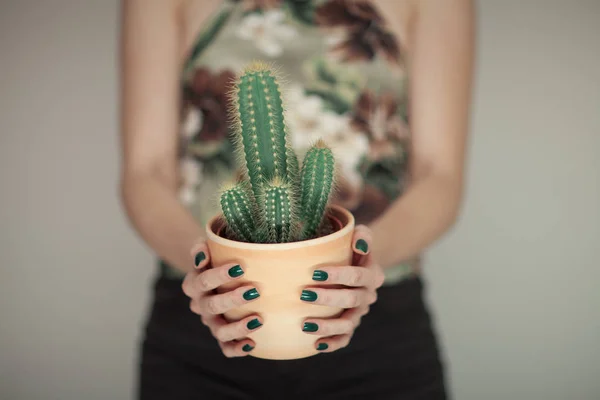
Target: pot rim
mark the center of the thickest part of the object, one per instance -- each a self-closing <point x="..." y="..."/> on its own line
<point x="346" y="229"/>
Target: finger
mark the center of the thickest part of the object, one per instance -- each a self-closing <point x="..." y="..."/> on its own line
<point x="213" y="278"/>
<point x="347" y="276"/>
<point x="237" y="349"/>
<point x="379" y="275"/>
<point x="370" y="264"/>
<point x="332" y="343"/>
<point x="212" y="321"/>
<point x="186" y="285"/>
<point x="227" y="331"/>
<point x="361" y="239"/>
<point x="200" y="254"/>
<point x="367" y="262"/>
<point x="342" y="298"/>
<point x="345" y="324"/>
<point x="355" y="314"/>
<point x="221" y="303"/>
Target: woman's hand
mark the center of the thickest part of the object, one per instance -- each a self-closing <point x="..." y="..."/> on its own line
<point x="360" y="281"/>
<point x="199" y="285"/>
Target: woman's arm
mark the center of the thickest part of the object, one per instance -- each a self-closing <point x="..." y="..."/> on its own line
<point x="440" y="64"/>
<point x="151" y="57"/>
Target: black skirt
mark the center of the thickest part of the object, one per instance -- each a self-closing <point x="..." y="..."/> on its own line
<point x="393" y="355"/>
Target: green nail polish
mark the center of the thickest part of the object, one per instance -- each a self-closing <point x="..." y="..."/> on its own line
<point x="308" y="295"/>
<point x="247" y="347"/>
<point x="235" y="271"/>
<point x="320" y="275"/>
<point x="322" y="346"/>
<point x="362" y="245"/>
<point x="199" y="258"/>
<point x="310" y="327"/>
<point x="255" y="323"/>
<point x="251" y="294"/>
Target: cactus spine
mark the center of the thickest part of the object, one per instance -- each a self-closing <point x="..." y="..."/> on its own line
<point x="275" y="202"/>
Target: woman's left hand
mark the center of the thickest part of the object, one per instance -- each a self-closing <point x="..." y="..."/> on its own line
<point x="360" y="282"/>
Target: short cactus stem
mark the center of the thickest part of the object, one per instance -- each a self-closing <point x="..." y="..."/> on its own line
<point x="237" y="210"/>
<point x="280" y="213"/>
<point x="317" y="182"/>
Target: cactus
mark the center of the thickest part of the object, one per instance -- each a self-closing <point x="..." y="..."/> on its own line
<point x="273" y="200"/>
<point x="317" y="182"/>
<point x="280" y="216"/>
<point x="237" y="209"/>
<point x="261" y="126"/>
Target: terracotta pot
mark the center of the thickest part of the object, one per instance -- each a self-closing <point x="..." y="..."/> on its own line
<point x="280" y="272"/>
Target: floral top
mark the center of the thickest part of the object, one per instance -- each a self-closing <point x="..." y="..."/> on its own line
<point x="344" y="82"/>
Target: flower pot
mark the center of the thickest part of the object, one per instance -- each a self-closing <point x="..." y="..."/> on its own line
<point x="280" y="272"/>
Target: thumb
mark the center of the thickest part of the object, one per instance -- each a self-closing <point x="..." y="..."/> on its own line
<point x="361" y="240"/>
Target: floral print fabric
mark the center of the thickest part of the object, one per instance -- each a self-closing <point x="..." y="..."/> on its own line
<point x="343" y="81"/>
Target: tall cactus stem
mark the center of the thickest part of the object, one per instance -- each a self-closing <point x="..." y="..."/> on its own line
<point x="261" y="125"/>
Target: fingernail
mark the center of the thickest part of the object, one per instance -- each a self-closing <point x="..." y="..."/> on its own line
<point x="199" y="258"/>
<point x="308" y="295"/>
<point x="235" y="271"/>
<point x="310" y="327"/>
<point x="320" y="275"/>
<point x="251" y="294"/>
<point x="255" y="323"/>
<point x="361" y="244"/>
<point x="247" y="347"/>
<point x="322" y="346"/>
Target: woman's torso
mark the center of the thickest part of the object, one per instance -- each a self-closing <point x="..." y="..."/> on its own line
<point x="345" y="82"/>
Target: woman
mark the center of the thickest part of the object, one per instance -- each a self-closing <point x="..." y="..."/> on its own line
<point x="357" y="73"/>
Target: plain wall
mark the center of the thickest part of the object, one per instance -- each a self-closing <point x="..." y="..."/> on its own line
<point x="514" y="288"/>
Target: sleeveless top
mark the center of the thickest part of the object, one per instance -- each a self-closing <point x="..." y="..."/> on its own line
<point x="344" y="81"/>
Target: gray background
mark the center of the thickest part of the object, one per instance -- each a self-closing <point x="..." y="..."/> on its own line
<point x="514" y="288"/>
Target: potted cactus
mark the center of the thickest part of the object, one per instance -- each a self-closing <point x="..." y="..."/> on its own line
<point x="277" y="220"/>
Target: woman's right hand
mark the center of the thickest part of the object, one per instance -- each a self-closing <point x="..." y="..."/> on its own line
<point x="199" y="286"/>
